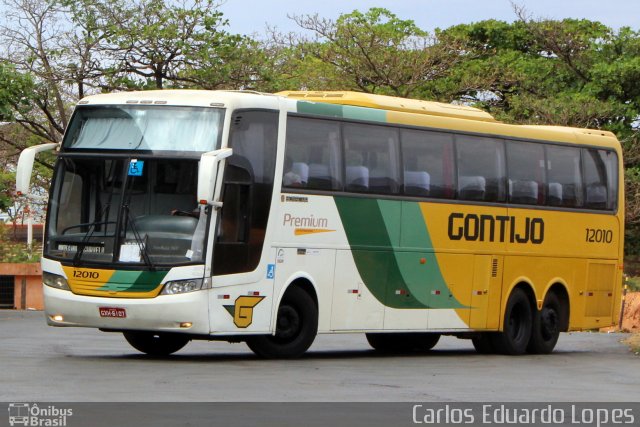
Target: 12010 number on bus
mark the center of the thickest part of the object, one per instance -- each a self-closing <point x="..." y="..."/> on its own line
<point x="597" y="235"/>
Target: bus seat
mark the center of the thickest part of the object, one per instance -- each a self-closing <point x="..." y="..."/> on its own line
<point x="596" y="196"/>
<point x="417" y="183"/>
<point x="572" y="195"/>
<point x="164" y="234"/>
<point x="472" y="187"/>
<point x="152" y="224"/>
<point x="555" y="194"/>
<point x="357" y="178"/>
<point x="381" y="182"/>
<point x="523" y="192"/>
<point x="302" y="170"/>
<point x="319" y="177"/>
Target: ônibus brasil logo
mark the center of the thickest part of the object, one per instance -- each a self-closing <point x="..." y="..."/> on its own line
<point x="28" y="414"/>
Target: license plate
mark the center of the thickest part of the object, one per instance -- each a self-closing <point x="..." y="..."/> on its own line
<point x="112" y="312"/>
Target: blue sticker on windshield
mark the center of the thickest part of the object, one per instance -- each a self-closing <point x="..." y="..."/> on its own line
<point x="135" y="167"/>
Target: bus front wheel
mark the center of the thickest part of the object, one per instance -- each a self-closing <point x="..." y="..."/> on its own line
<point x="156" y="344"/>
<point x="514" y="338"/>
<point x="296" y="328"/>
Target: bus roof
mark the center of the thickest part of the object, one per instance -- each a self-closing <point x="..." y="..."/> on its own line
<point x="183" y="97"/>
<point x="383" y="102"/>
<point x="398" y="110"/>
<point x="454" y="117"/>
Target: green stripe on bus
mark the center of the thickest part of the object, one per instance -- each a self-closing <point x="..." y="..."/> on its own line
<point x="361" y="113"/>
<point x="395" y="277"/>
<point x="134" y="281"/>
<point x="422" y="278"/>
<point x="342" y="111"/>
<point x="330" y="110"/>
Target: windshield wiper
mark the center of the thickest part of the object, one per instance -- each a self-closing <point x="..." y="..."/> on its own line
<point x="86" y="224"/>
<point x="104" y="211"/>
<point x="83" y="244"/>
<point x="139" y="241"/>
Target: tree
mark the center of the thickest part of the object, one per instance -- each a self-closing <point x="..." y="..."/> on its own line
<point x="373" y="52"/>
<point x="156" y="44"/>
<point x="30" y="36"/>
<point x="16" y="92"/>
<point x="571" y="72"/>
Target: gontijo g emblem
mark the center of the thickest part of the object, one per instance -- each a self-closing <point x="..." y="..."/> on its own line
<point x="242" y="311"/>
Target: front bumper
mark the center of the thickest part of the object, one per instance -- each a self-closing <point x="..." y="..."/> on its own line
<point x="163" y="313"/>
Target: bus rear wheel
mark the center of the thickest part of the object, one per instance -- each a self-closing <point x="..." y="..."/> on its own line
<point x="546" y="326"/>
<point x="514" y="338"/>
<point x="156" y="344"/>
<point x="296" y="328"/>
<point x="402" y="342"/>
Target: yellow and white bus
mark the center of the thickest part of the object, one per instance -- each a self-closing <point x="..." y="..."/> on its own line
<point x="218" y="215"/>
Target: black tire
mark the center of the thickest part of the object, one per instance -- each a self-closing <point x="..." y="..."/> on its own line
<point x="518" y="319"/>
<point x="546" y="326"/>
<point x="483" y="343"/>
<point x="156" y="344"/>
<point x="296" y="328"/>
<point x="402" y="342"/>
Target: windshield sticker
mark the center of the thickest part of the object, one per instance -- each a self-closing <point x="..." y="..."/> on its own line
<point x="130" y="252"/>
<point x="136" y="167"/>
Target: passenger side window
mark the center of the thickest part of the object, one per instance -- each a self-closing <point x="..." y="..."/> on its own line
<point x="526" y="184"/>
<point x="600" y="178"/>
<point x="564" y="177"/>
<point x="481" y="168"/>
<point x="428" y="164"/>
<point x="371" y="159"/>
<point x="312" y="154"/>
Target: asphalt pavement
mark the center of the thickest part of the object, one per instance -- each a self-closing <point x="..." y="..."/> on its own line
<point x="42" y="363"/>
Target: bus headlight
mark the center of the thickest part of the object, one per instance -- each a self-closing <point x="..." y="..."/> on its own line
<point x="55" y="281"/>
<point x="182" y="286"/>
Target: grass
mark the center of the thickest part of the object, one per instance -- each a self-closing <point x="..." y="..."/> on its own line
<point x="634" y="283"/>
<point x="19" y="252"/>
<point x="633" y="342"/>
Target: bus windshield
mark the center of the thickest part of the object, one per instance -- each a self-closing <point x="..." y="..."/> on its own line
<point x="140" y="211"/>
<point x="144" y="128"/>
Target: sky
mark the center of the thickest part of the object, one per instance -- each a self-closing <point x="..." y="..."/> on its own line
<point x="251" y="17"/>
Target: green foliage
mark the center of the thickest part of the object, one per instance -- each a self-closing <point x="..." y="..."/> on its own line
<point x="157" y="44"/>
<point x="571" y="72"/>
<point x="17" y="252"/>
<point x="372" y="52"/>
<point x="7" y="182"/>
<point x="16" y="92"/>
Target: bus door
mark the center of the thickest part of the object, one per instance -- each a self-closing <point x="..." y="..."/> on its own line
<point x="243" y="286"/>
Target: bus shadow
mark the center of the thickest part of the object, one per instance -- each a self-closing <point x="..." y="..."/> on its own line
<point x="364" y="354"/>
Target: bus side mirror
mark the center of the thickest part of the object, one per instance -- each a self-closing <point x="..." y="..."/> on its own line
<point x="25" y="166"/>
<point x="207" y="174"/>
